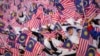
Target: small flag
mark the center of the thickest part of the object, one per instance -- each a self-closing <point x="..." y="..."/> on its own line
<point x="85" y="34"/>
<point x="83" y="43"/>
<point x="67" y="44"/>
<point x="30" y="45"/>
<point x="33" y="48"/>
<point x="59" y="6"/>
<point x="90" y="51"/>
<point x="78" y="4"/>
<point x="8" y="54"/>
<point x="12" y="36"/>
<point x="22" y="38"/>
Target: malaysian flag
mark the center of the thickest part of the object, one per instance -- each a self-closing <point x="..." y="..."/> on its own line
<point x="90" y="11"/>
<point x="70" y="9"/>
<point x="34" y="22"/>
<point x="83" y="43"/>
<point x="33" y="48"/>
<point x="90" y="51"/>
<point x="15" y="52"/>
<point x="15" y="24"/>
<point x="22" y="38"/>
<point x="46" y="20"/>
<point x="81" y="4"/>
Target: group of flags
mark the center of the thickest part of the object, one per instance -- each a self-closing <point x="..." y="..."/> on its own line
<point x="64" y="9"/>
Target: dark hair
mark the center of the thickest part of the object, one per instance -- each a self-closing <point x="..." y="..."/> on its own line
<point x="68" y="28"/>
<point x="21" y="51"/>
<point x="96" y="21"/>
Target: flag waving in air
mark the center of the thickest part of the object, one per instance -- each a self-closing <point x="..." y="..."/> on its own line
<point x="83" y="42"/>
<point x="33" y="48"/>
<point x="22" y="38"/>
<point x="81" y="4"/>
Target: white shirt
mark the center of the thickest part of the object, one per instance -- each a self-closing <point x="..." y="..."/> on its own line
<point x="74" y="38"/>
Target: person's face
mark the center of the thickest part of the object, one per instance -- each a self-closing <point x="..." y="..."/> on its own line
<point x="70" y="31"/>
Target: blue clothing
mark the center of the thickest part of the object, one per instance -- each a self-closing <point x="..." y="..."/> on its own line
<point x="94" y="34"/>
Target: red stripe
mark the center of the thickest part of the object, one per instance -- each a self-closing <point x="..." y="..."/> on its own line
<point x="36" y="51"/>
<point x="2" y="50"/>
<point x="91" y="10"/>
<point x="82" y="47"/>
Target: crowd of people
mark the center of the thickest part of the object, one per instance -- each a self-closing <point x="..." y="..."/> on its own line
<point x="56" y="25"/>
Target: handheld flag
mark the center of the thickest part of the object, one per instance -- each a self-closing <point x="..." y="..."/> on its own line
<point x="30" y="45"/>
<point x="83" y="42"/>
<point x="68" y="44"/>
<point x="90" y="51"/>
<point x="8" y="54"/>
<point x="85" y="34"/>
<point x="86" y="3"/>
<point x="12" y="36"/>
<point x="80" y="5"/>
<point x="22" y="38"/>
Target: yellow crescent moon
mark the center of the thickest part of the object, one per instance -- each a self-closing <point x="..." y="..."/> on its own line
<point x="21" y="40"/>
<point x="91" y="49"/>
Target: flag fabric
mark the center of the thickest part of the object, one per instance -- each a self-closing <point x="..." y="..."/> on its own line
<point x="2" y="50"/>
<point x="83" y="43"/>
<point x="67" y="44"/>
<point x="97" y="53"/>
<point x="90" y="51"/>
<point x="33" y="48"/>
<point x="34" y="22"/>
<point x="59" y="6"/>
<point x="70" y="9"/>
<point x="90" y="11"/>
<point x="12" y="36"/>
<point x="81" y="5"/>
<point x="42" y="54"/>
<point x="22" y="38"/>
<point x="15" y="52"/>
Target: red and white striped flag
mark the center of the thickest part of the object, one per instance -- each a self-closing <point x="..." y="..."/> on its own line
<point x="90" y="11"/>
<point x="36" y="50"/>
<point x="82" y="47"/>
<point x="15" y="52"/>
<point x="33" y="23"/>
<point x="83" y="42"/>
<point x="2" y="50"/>
<point x="70" y="9"/>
